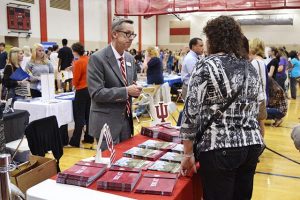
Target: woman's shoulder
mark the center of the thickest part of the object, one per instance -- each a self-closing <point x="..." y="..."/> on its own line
<point x="82" y="61"/>
<point x="213" y="60"/>
<point x="154" y="60"/>
<point x="256" y="62"/>
<point x="295" y="60"/>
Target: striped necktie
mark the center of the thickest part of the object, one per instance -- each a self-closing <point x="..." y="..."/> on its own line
<point x="123" y="72"/>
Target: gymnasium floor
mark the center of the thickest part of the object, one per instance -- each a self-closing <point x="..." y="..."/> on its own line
<point x="276" y="177"/>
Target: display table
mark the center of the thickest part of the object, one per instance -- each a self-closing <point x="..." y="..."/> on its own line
<point x="37" y="109"/>
<point x="62" y="109"/>
<point x="64" y="192"/>
<point x="15" y="124"/>
<point x="186" y="188"/>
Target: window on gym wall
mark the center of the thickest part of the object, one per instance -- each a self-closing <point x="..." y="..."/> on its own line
<point x="60" y="4"/>
<point x="27" y="1"/>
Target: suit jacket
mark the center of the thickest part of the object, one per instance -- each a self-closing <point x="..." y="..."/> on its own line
<point x="108" y="91"/>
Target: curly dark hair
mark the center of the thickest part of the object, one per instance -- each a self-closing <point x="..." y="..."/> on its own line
<point x="224" y="34"/>
<point x="78" y="48"/>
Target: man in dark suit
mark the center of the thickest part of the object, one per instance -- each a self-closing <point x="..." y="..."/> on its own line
<point x="111" y="83"/>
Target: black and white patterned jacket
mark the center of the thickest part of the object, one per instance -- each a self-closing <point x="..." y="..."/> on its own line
<point x="214" y="79"/>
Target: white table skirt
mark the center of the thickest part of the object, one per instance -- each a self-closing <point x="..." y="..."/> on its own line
<point x="50" y="190"/>
<point x="62" y="109"/>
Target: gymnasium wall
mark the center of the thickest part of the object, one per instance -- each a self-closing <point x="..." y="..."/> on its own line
<point x="65" y="24"/>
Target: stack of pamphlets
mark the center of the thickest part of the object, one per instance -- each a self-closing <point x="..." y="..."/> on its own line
<point x="146" y="154"/>
<point x="162" y="184"/>
<point x="119" y="178"/>
<point x="81" y="174"/>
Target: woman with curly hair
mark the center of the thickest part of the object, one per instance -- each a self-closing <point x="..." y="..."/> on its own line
<point x="227" y="143"/>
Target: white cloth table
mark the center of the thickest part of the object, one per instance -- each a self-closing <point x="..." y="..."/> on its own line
<point x="62" y="109"/>
<point x="50" y="190"/>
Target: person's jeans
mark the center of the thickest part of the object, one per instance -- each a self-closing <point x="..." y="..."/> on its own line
<point x="274" y="113"/>
<point x="227" y="174"/>
<point x="293" y="87"/>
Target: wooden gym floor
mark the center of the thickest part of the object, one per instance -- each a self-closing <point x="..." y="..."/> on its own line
<point x="276" y="177"/>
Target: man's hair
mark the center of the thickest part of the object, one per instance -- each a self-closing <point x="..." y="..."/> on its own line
<point x="2" y="44"/>
<point x="64" y="42"/>
<point x="118" y="22"/>
<point x="194" y="41"/>
<point x="55" y="47"/>
<point x="78" y="48"/>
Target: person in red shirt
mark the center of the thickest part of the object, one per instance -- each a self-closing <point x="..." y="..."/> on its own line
<point x="82" y="101"/>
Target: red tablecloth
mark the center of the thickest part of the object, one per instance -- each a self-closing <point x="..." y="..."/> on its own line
<point x="186" y="188"/>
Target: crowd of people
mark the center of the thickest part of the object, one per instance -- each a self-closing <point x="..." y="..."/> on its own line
<point x="229" y="88"/>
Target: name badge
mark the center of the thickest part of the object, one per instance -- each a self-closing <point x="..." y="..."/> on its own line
<point x="128" y="64"/>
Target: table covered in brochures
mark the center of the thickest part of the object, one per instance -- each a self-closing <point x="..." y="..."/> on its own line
<point x="186" y="188"/>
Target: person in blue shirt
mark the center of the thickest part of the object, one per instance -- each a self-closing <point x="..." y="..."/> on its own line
<point x="295" y="73"/>
<point x="3" y="56"/>
<point x="196" y="49"/>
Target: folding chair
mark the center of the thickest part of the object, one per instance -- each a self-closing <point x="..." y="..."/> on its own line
<point x="147" y="99"/>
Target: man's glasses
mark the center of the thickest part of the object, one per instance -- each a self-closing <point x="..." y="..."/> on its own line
<point x="128" y="34"/>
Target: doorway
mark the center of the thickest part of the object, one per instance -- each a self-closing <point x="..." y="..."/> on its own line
<point x="11" y="41"/>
